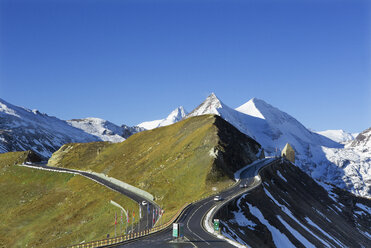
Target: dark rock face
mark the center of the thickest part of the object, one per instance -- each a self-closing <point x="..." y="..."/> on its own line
<point x="363" y="137"/>
<point x="128" y="131"/>
<point x="33" y="157"/>
<point x="288" y="199"/>
<point x="235" y="149"/>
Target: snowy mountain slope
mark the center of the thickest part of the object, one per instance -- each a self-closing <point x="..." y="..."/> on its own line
<point x="23" y="129"/>
<point x="354" y="161"/>
<point x="268" y="125"/>
<point x="339" y="136"/>
<point x="362" y="140"/>
<point x="317" y="155"/>
<point x="175" y="116"/>
<point x="103" y="129"/>
<point x="289" y="209"/>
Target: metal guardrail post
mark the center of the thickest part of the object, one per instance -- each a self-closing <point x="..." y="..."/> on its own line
<point x="126" y="237"/>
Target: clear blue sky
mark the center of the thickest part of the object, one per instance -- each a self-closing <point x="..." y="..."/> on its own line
<point x="130" y="61"/>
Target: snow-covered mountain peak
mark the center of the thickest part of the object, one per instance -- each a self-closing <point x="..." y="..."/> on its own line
<point x="175" y="116"/>
<point x="263" y="110"/>
<point x="250" y="108"/>
<point x="209" y="106"/>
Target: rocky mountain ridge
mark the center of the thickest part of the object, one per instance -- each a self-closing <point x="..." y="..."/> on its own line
<point x="24" y="129"/>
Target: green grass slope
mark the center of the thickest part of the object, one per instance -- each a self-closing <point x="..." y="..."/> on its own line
<point x="178" y="164"/>
<point x="49" y="209"/>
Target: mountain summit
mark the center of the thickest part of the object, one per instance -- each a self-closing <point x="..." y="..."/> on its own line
<point x="175" y="116"/>
<point x="209" y="106"/>
<point x="315" y="154"/>
<point x="249" y="108"/>
<point x="268" y="125"/>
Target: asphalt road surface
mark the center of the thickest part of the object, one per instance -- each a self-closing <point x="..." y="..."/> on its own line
<point x="147" y="220"/>
<point x="194" y="233"/>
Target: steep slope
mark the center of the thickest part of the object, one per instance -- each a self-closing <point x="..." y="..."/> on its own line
<point x="49" y="209"/>
<point x="317" y="155"/>
<point x="289" y="209"/>
<point x="355" y="161"/>
<point x="339" y="136"/>
<point x="23" y="129"/>
<point x="268" y="125"/>
<point x="177" y="164"/>
<point x="175" y="116"/>
<point x="283" y="128"/>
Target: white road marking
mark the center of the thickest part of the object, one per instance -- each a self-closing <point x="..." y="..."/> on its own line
<point x="191" y="218"/>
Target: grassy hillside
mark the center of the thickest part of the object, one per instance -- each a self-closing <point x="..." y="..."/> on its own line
<point x="177" y="164"/>
<point x="48" y="209"/>
<point x="14" y="158"/>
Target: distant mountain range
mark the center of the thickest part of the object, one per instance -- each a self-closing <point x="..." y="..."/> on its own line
<point x="24" y="129"/>
<point x="339" y="136"/>
<point x="331" y="156"/>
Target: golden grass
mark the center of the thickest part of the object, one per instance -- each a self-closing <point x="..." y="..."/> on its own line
<point x="172" y="162"/>
<point x="49" y="209"/>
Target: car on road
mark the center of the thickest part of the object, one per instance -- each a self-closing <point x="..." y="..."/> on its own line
<point x="144" y="203"/>
<point x="217" y="198"/>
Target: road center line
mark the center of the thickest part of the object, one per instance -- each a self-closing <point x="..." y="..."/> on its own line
<point x="191" y="218"/>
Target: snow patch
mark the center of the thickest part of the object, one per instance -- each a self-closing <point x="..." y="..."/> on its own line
<point x="325" y="233"/>
<point x="297" y="235"/>
<point x="279" y="239"/>
<point x="280" y="175"/>
<point x="243" y="221"/>
<point x="365" y="208"/>
<point x="213" y="153"/>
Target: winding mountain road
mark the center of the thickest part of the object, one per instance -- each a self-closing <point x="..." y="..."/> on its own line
<point x="195" y="234"/>
<point x="145" y="221"/>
